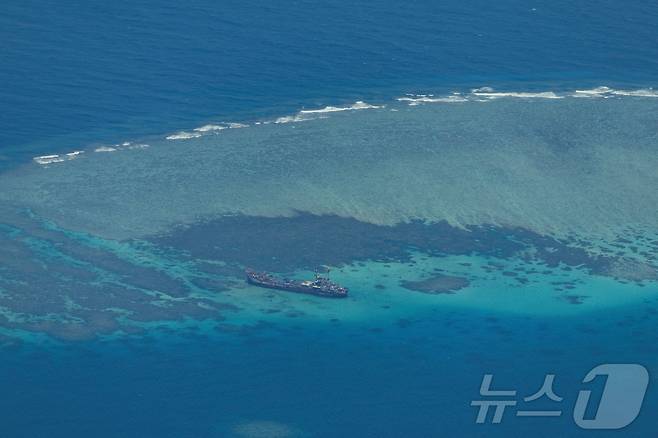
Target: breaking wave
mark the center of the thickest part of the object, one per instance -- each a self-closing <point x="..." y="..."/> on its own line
<point x="481" y="94"/>
<point x="487" y="93"/>
<point x="183" y="135"/>
<point x="204" y="130"/>
<point x="210" y="128"/>
<point x="417" y="99"/>
<point x="56" y="158"/>
<point x="293" y="119"/>
<point x="359" y="105"/>
<point x="606" y="92"/>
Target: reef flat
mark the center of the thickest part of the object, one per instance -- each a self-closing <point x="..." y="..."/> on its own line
<point x="517" y="201"/>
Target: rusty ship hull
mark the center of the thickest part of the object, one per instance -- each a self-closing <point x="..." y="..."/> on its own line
<point x="321" y="287"/>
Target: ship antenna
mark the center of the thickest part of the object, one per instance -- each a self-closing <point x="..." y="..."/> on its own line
<point x="317" y="272"/>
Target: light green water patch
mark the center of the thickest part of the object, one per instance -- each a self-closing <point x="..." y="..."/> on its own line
<point x="555" y="166"/>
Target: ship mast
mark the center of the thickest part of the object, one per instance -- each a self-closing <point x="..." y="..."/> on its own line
<point x="317" y="272"/>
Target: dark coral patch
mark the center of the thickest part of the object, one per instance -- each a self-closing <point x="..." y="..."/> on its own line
<point x="307" y="241"/>
<point x="438" y="284"/>
<point x="73" y="289"/>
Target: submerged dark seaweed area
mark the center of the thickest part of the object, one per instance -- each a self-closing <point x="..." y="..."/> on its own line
<point x="69" y="289"/>
<point x="73" y="287"/>
<point x="305" y="241"/>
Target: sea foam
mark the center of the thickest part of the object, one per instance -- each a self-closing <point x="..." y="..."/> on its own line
<point x="56" y="158"/>
<point x="183" y="135"/>
<point x="358" y="105"/>
<point x="293" y="119"/>
<point x="491" y="94"/>
<point x="488" y="93"/>
<point x="210" y="128"/>
<point x="430" y="98"/>
<point x="105" y="149"/>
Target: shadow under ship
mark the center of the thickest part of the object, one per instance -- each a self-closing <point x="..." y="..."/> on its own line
<point x="320" y="286"/>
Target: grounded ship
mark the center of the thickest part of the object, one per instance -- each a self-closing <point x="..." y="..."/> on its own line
<point x="320" y="286"/>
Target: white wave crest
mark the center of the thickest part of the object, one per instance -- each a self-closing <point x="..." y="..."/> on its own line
<point x="205" y="129"/>
<point x="603" y="92"/>
<point x="49" y="159"/>
<point x="429" y="98"/>
<point x="484" y="94"/>
<point x="305" y="115"/>
<point x="481" y="94"/>
<point x="607" y="92"/>
<point x="183" y="135"/>
<point x="105" y="149"/>
<point x="646" y="92"/>
<point x="210" y="128"/>
<point x="489" y="93"/>
<point x="293" y="119"/>
<point x="121" y="147"/>
<point x="482" y="90"/>
<point x="358" y="105"/>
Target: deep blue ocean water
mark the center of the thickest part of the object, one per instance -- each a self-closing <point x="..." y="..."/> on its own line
<point x="75" y="74"/>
